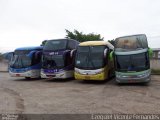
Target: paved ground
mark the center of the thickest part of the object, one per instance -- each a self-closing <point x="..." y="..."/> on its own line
<point x="70" y="96"/>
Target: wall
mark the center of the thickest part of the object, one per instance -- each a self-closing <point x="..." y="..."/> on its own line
<point x="155" y="64"/>
<point x="3" y="66"/>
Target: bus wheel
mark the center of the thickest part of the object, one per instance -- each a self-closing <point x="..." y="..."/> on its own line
<point x="27" y="78"/>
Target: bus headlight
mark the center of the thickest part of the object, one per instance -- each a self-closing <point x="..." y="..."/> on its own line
<point x="99" y="72"/>
<point x="144" y="74"/>
<point x="118" y="75"/>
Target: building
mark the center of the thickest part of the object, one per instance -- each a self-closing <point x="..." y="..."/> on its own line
<point x="155" y="60"/>
<point x="156" y="53"/>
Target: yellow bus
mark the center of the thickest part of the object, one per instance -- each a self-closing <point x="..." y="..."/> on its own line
<point x="92" y="61"/>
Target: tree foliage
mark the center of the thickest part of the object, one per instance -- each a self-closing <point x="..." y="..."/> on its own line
<point x="43" y="42"/>
<point x="112" y="42"/>
<point x="81" y="37"/>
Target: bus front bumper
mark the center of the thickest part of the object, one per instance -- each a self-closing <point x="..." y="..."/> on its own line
<point x="142" y="77"/>
<point x="59" y="75"/>
<point x="30" y="73"/>
<point x="97" y="74"/>
<point x="100" y="76"/>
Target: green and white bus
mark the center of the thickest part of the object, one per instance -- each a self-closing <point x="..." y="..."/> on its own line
<point x="132" y="59"/>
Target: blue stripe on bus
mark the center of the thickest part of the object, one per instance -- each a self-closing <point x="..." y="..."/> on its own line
<point x="30" y="48"/>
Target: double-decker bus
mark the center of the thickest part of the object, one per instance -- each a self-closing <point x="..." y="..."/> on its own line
<point x="57" y="58"/>
<point x="26" y="62"/>
<point x="132" y="60"/>
<point x="92" y="61"/>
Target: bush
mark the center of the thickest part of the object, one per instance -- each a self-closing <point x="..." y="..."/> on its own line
<point x="155" y="71"/>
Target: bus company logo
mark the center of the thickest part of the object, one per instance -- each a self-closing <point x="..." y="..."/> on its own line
<point x="56" y="70"/>
<point x="53" y="53"/>
<point x="86" y="72"/>
<point x="53" y="71"/>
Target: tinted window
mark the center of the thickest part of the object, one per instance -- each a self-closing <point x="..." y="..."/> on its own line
<point x="55" y="45"/>
<point x="135" y="62"/>
<point x="56" y="61"/>
<point x="22" y="52"/>
<point x="90" y="57"/>
<point x="82" y="57"/>
<point x="131" y="42"/>
<point x="71" y="44"/>
<point x="20" y="61"/>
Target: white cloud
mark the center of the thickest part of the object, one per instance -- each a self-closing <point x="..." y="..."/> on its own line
<point x="28" y="22"/>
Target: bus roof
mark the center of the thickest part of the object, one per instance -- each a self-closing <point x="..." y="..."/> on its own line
<point x="96" y="43"/>
<point x="30" y="48"/>
<point x="63" y="39"/>
<point x="131" y="36"/>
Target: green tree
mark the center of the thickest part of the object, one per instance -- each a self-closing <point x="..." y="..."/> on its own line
<point x="112" y="42"/>
<point x="81" y="37"/>
<point x="43" y="42"/>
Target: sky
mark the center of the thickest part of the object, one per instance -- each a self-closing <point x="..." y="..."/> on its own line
<point x="29" y="22"/>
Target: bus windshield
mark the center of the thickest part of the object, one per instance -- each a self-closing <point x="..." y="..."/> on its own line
<point x="20" y="61"/>
<point x="136" y="62"/>
<point x="53" y="45"/>
<point x="22" y="52"/>
<point x="133" y="42"/>
<point x="90" y="57"/>
<point x="52" y="62"/>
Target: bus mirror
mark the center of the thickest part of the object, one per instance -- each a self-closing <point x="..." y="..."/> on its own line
<point x="150" y="52"/>
<point x="37" y="54"/>
<point x="72" y="53"/>
<point x="105" y="53"/>
<point x="111" y="56"/>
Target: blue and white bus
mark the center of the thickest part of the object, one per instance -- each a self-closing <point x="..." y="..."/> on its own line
<point x="26" y="62"/>
<point x="57" y="58"/>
